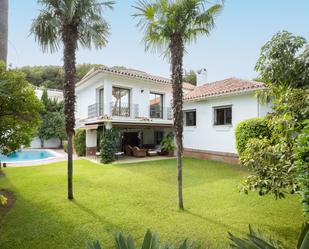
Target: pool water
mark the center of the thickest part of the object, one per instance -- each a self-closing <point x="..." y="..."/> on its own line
<point x="26" y="155"/>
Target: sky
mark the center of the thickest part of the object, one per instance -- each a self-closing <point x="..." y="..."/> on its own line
<point x="232" y="48"/>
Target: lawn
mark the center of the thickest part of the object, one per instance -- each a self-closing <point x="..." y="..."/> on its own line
<point x="134" y="197"/>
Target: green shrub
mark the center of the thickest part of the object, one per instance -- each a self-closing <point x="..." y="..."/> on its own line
<point x="270" y="168"/>
<point x="109" y="145"/>
<point x="167" y="143"/>
<point x="257" y="240"/>
<point x="65" y="146"/>
<point x="3" y="200"/>
<point x="250" y="128"/>
<point x="302" y="162"/>
<point x="150" y="241"/>
<point x="79" y="142"/>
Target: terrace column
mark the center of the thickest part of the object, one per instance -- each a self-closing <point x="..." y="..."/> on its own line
<point x="91" y="142"/>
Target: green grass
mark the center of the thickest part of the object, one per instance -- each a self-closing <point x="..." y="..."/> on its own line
<point x="134" y="197"/>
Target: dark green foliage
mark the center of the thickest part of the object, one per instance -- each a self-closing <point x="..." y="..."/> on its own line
<point x="190" y="77"/>
<point x="150" y="241"/>
<point x="19" y="112"/>
<point x="302" y="162"/>
<point x="257" y="240"/>
<point x="250" y="128"/>
<point x="109" y="145"/>
<point x="284" y="61"/>
<point x="53" y="76"/>
<point x="80" y="142"/>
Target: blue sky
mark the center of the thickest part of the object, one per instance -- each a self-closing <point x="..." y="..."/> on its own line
<point x="231" y="50"/>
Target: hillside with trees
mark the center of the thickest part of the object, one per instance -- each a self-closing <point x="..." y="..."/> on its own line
<point x="52" y="76"/>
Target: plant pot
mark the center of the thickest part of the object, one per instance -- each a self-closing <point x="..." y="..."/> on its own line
<point x="170" y="153"/>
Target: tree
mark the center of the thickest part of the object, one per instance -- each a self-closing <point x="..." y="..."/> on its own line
<point x="168" y="26"/>
<point x="284" y="61"/>
<point x="190" y="77"/>
<point x="52" y="119"/>
<point x="19" y="110"/>
<point x="278" y="162"/>
<point x="72" y="23"/>
<point x="4" y="6"/>
<point x="53" y="76"/>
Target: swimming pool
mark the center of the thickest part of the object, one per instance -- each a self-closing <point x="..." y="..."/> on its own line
<point x="26" y="155"/>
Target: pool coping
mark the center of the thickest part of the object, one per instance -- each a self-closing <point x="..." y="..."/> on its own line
<point x="58" y="155"/>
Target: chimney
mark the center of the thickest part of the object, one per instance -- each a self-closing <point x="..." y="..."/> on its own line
<point x="201" y="77"/>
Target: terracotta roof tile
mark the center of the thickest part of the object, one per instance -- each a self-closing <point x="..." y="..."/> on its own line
<point x="133" y="73"/>
<point x="223" y="87"/>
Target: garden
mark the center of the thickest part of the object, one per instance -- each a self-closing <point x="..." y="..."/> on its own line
<point x="134" y="197"/>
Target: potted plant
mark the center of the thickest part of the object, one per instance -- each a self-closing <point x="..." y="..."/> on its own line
<point x="168" y="145"/>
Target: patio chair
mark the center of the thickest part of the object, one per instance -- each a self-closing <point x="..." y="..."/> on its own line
<point x="128" y="150"/>
<point x="152" y="153"/>
<point x="137" y="152"/>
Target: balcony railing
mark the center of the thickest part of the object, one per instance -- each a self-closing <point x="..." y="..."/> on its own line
<point x="155" y="112"/>
<point x="169" y="113"/>
<point x="128" y="110"/>
<point x="95" y="110"/>
<point x="124" y="110"/>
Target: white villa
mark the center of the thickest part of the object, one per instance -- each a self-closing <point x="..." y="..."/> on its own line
<point x="139" y="105"/>
<point x="211" y="113"/>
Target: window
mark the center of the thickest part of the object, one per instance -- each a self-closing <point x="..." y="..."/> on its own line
<point x="156" y="105"/>
<point x="223" y="115"/>
<point x="121" y="102"/>
<point x="158" y="137"/>
<point x="101" y="101"/>
<point x="190" y="118"/>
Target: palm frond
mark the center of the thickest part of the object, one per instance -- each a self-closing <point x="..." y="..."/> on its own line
<point x="46" y="31"/>
<point x="160" y="19"/>
<point x="85" y="15"/>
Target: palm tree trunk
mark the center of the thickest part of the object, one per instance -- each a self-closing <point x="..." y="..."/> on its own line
<point x="3" y="30"/>
<point x="177" y="50"/>
<point x="70" y="44"/>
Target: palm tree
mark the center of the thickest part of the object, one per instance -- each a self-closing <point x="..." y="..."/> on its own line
<point x="3" y="29"/>
<point x="71" y="23"/>
<point x="169" y="25"/>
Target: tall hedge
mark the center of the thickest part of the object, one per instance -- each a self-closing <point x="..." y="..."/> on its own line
<point x="109" y="145"/>
<point x="80" y="142"/>
<point x="250" y="128"/>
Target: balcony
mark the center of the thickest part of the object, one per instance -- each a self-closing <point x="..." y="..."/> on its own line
<point x="159" y="113"/>
<point x="127" y="110"/>
<point x="124" y="110"/>
<point x="95" y="110"/>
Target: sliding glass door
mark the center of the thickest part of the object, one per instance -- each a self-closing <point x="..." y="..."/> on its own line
<point x="121" y="102"/>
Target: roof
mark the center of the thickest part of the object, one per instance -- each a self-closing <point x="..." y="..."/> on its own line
<point x="130" y="73"/>
<point x="223" y="87"/>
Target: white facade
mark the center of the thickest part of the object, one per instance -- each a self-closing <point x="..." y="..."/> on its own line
<point x="52" y="143"/>
<point x="207" y="136"/>
<point x="87" y="94"/>
<point x="95" y="107"/>
<point x="52" y="94"/>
